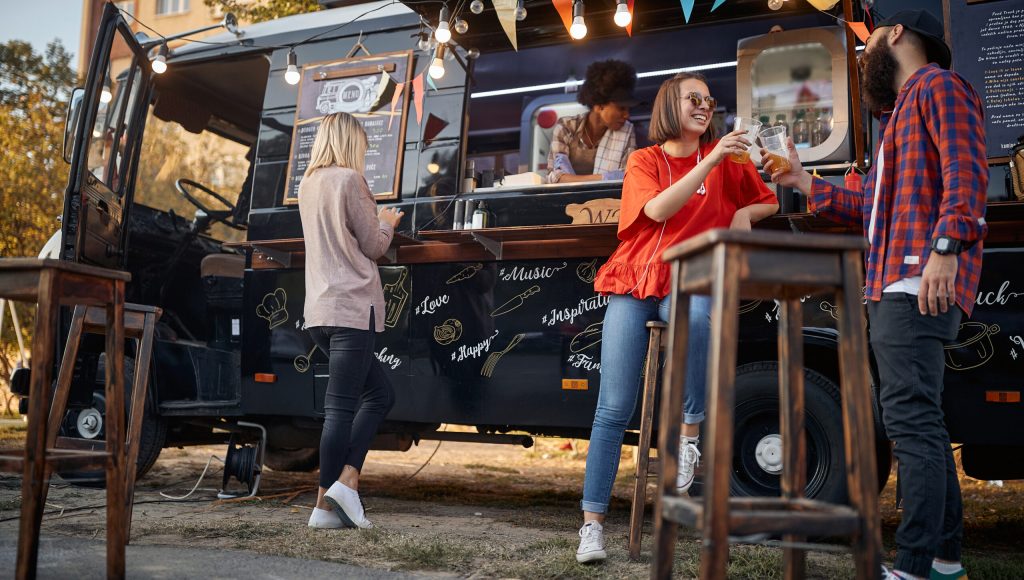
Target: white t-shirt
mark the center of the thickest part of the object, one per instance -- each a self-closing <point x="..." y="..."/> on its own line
<point x="910" y="285"/>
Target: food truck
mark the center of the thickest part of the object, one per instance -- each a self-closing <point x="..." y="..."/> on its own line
<point x="188" y="179"/>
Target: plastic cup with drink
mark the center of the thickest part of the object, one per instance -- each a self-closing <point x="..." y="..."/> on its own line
<point x="751" y="126"/>
<point x="774" y="141"/>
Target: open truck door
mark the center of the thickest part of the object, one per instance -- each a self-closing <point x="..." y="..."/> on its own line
<point x="105" y="121"/>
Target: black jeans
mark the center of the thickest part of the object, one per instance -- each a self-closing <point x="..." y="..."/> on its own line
<point x="359" y="396"/>
<point x="908" y="349"/>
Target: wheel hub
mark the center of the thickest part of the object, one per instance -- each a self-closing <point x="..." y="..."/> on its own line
<point x="769" y="453"/>
<point x="90" y="423"/>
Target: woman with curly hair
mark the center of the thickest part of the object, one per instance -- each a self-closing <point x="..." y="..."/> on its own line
<point x="595" y="145"/>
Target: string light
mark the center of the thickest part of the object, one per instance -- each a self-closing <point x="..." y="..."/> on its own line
<point x="521" y="11"/>
<point x="106" y="96"/>
<point x="775" y="4"/>
<point x="476" y="7"/>
<point x="461" y="26"/>
<point x="159" y="64"/>
<point x="442" y="33"/>
<point x="292" y="76"/>
<point x="622" y="16"/>
<point x="436" y="69"/>
<point x="578" y="30"/>
<point x="424" y="42"/>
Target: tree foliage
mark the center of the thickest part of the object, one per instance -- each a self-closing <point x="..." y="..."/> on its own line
<point x="248" y="11"/>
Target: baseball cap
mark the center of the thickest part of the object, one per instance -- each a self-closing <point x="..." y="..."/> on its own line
<point x="928" y="28"/>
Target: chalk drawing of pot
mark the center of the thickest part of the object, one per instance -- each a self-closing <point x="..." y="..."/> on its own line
<point x="974" y="349"/>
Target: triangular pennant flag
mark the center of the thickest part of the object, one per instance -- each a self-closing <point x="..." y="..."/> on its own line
<point x="384" y="87"/>
<point x="430" y="81"/>
<point x="417" y="96"/>
<point x="564" y="8"/>
<point x="860" y="29"/>
<point x="506" y="11"/>
<point x="433" y="128"/>
<point x="717" y="4"/>
<point x="687" y="8"/>
<point x="399" y="89"/>
<point x="629" y="27"/>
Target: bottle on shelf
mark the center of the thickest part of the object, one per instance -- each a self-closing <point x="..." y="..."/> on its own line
<point x="821" y="128"/>
<point x="801" y="130"/>
<point x="780" y="121"/>
<point x="480" y="217"/>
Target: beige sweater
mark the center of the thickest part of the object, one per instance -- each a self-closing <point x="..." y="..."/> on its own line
<point x="343" y="237"/>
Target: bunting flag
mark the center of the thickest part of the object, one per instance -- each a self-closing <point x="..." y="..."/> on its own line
<point x="433" y="128"/>
<point x="860" y="29"/>
<point x="687" y="9"/>
<point x="629" y="27"/>
<point x="384" y="87"/>
<point x="564" y="8"/>
<point x="430" y="81"/>
<point x="417" y="96"/>
<point x="720" y="2"/>
<point x="823" y="4"/>
<point x="399" y="89"/>
<point x="506" y="11"/>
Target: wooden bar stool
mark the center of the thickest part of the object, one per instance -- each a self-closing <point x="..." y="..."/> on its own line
<point x="731" y="265"/>
<point x="646" y="465"/>
<point x="52" y="284"/>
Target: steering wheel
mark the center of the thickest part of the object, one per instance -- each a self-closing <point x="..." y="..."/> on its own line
<point x="224" y="216"/>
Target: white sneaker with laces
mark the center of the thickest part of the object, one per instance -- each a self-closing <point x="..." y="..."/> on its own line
<point x="591" y="543"/>
<point x="346" y="504"/>
<point x="325" y="519"/>
<point x="689" y="457"/>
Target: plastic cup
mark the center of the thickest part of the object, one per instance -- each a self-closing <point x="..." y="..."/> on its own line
<point x="774" y="140"/>
<point x="751" y="126"/>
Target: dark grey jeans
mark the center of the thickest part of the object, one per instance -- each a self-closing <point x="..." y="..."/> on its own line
<point x="908" y="349"/>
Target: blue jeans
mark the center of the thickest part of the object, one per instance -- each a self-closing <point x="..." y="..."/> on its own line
<point x="623" y="349"/>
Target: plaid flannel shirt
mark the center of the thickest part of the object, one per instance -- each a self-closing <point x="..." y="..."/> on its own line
<point x="934" y="183"/>
<point x="612" y="151"/>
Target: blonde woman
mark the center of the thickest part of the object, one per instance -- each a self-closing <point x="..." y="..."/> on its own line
<point x="344" y="309"/>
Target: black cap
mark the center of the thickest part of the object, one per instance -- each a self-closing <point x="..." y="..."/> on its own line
<point x="928" y="28"/>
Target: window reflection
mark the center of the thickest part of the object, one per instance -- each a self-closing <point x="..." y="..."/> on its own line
<point x="793" y="88"/>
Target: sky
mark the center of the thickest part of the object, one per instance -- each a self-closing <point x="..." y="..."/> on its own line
<point x="41" y="21"/>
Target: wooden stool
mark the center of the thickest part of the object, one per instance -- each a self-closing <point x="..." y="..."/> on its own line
<point x="139" y="324"/>
<point x="51" y="284"/>
<point x="731" y="265"/>
<point x="646" y="466"/>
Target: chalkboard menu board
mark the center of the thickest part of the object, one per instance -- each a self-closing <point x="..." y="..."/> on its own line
<point x="988" y="50"/>
<point x="374" y="89"/>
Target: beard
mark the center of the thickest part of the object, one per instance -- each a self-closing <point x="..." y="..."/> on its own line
<point x="878" y="77"/>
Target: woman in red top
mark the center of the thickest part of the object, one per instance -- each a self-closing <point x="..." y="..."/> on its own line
<point x="672" y="191"/>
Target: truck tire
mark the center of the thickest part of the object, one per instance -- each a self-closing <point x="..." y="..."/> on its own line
<point x="303" y="460"/>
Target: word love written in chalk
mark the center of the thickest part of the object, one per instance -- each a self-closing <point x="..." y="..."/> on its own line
<point x="569" y="314"/>
<point x="583" y="361"/>
<point x="465" y="352"/>
<point x="388" y="360"/>
<point x="430" y="305"/>
<point x="523" y="274"/>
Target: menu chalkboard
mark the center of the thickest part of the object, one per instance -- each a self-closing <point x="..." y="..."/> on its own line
<point x="987" y="38"/>
<point x="375" y="90"/>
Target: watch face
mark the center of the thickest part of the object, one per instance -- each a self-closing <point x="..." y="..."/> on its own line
<point x="942" y="244"/>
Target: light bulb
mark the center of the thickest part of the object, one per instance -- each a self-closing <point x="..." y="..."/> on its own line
<point x="578" y="29"/>
<point x="775" y="4"/>
<point x="521" y="11"/>
<point x="423" y="43"/>
<point x="622" y="16"/>
<point x="106" y="96"/>
<point x="473" y="53"/>
<point x="443" y="34"/>
<point x="476" y="7"/>
<point x="292" y="76"/>
<point x="461" y="26"/>
<point x="436" y="68"/>
<point x="159" y="64"/>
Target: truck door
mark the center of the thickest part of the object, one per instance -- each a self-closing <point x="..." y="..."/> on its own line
<point x="107" y="133"/>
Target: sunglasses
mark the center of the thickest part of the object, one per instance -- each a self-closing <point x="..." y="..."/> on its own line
<point x="696" y="99"/>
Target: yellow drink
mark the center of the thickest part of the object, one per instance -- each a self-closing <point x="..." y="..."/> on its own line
<point x="780" y="163"/>
<point x="740" y="157"/>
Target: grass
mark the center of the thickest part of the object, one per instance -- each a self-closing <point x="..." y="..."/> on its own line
<point x="494" y="468"/>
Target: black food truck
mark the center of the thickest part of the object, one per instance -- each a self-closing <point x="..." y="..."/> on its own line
<point x="188" y="180"/>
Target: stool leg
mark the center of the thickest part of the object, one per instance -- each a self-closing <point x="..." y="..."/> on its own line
<point x="791" y="422"/>
<point x="140" y="388"/>
<point x="721" y="378"/>
<point x="857" y="419"/>
<point x="643" y="450"/>
<point x="35" y="440"/>
<point x="669" y="426"/>
<point x="115" y="433"/>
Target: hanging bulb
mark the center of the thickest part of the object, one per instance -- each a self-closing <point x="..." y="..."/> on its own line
<point x="578" y="30"/>
<point x="106" y="96"/>
<point x="461" y="26"/>
<point x="473" y="53"/>
<point x="159" y="63"/>
<point x="476" y="7"/>
<point x="442" y="33"/>
<point x="775" y="4"/>
<point x="424" y="42"/>
<point x="521" y="11"/>
<point x="622" y="16"/>
<point x="292" y="76"/>
<point x="436" y="69"/>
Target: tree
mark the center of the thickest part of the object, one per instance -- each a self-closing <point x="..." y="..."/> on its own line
<point x="34" y="89"/>
<point x="249" y="11"/>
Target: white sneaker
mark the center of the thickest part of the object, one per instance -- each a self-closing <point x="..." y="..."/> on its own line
<point x="689" y="457"/>
<point x="591" y="543"/>
<point x="325" y="519"/>
<point x="346" y="504"/>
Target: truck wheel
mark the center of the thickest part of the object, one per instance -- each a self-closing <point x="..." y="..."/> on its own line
<point x="303" y="460"/>
<point x="89" y="423"/>
<point x="757" y="446"/>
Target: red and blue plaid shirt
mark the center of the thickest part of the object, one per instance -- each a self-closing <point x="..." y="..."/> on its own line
<point x="934" y="183"/>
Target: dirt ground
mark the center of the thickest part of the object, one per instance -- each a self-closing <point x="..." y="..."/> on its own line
<point x="473" y="511"/>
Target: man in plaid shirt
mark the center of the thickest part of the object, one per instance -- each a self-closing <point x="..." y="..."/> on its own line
<point x="922" y="210"/>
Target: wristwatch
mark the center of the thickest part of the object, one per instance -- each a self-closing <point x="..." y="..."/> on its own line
<point x="945" y="245"/>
